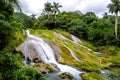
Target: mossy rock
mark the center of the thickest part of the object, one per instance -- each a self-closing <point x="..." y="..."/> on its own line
<point x="50" y="68"/>
<point x="44" y="68"/>
<point x="66" y="75"/>
<point x="91" y="76"/>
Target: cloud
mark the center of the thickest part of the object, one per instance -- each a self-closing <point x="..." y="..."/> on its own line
<point x="68" y="5"/>
<point x="32" y="6"/>
<point x="96" y="6"/>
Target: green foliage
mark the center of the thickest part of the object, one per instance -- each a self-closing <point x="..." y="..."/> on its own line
<point x="8" y="64"/>
<point x="101" y="33"/>
<point x="51" y="9"/>
<point x="28" y="73"/>
<point x="89" y="17"/>
<point x="48" y="8"/>
<point x="45" y="22"/>
<point x="79" y="29"/>
<point x="14" y="3"/>
<point x="11" y="68"/>
<point x="6" y="33"/>
<point x="114" y="7"/>
<point x="2" y="17"/>
<point x="6" y="10"/>
<point x="98" y="31"/>
<point x="23" y="21"/>
<point x="17" y="25"/>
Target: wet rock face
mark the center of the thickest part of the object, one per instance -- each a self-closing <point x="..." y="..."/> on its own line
<point x="32" y="53"/>
<point x="66" y="76"/>
<point x="56" y="50"/>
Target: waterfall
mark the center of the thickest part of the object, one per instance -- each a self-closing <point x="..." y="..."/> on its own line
<point x="46" y="54"/>
<point x="72" y="53"/>
<point x="75" y="39"/>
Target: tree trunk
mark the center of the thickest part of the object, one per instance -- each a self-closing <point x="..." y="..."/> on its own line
<point x="116" y="24"/>
<point x="55" y="16"/>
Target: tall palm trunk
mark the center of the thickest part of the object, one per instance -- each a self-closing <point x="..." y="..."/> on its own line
<point x="55" y="15"/>
<point x="116" y="24"/>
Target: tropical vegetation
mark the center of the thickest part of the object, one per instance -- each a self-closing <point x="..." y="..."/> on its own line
<point x="99" y="34"/>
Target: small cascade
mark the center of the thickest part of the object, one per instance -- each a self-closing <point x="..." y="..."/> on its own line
<point x="61" y="36"/>
<point x="75" y="39"/>
<point x="72" y="53"/>
<point x="104" y="73"/>
<point x="46" y="54"/>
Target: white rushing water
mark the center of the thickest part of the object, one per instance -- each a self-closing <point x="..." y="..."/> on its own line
<point x="75" y="39"/>
<point x="46" y="54"/>
<point x="72" y="53"/>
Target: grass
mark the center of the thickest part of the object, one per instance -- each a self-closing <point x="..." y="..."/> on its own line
<point x="91" y="76"/>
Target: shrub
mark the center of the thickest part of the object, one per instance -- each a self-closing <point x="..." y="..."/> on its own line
<point x="8" y="64"/>
<point x="6" y="33"/>
<point x="28" y="73"/>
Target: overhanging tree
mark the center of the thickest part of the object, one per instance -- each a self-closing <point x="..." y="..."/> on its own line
<point x="15" y="3"/>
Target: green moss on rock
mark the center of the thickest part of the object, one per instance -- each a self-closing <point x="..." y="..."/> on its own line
<point x="50" y="68"/>
<point x="91" y="76"/>
<point x="66" y="75"/>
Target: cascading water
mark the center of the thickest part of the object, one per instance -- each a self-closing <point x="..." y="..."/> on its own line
<point x="72" y="53"/>
<point x="46" y="54"/>
<point x="75" y="39"/>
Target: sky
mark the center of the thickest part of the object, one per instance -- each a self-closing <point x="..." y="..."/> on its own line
<point x="99" y="7"/>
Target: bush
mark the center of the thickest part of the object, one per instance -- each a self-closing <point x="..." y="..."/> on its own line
<point x="11" y="68"/>
<point x="8" y="64"/>
<point x="28" y="73"/>
<point x="2" y="17"/>
<point x="6" y="33"/>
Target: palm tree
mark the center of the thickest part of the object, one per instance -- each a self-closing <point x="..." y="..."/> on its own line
<point x="33" y="16"/>
<point x="114" y="7"/>
<point x="48" y="8"/>
<point x="56" y="7"/>
<point x="105" y="15"/>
